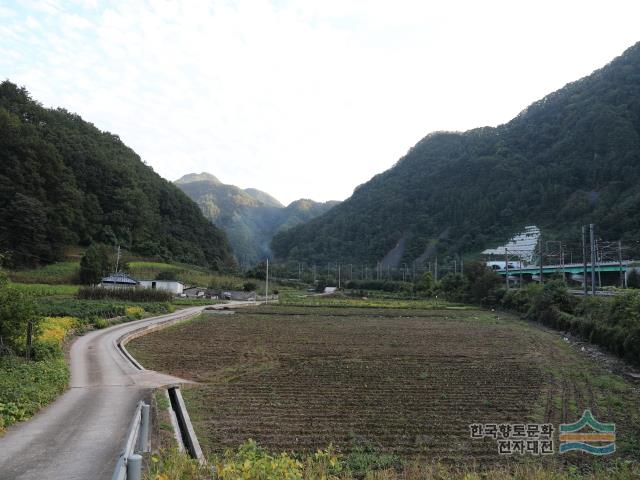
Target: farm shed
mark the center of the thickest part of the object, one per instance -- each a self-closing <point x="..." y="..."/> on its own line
<point x="118" y="280"/>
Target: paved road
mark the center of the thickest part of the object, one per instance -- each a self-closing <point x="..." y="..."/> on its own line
<point x="80" y="435"/>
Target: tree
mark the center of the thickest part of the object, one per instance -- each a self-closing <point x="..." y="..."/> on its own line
<point x="633" y="279"/>
<point x="482" y="283"/>
<point x="94" y="264"/>
<point x="250" y="286"/>
<point x="426" y="284"/>
<point x="17" y="309"/>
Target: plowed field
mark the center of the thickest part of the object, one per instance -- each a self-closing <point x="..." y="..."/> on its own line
<point x="404" y="381"/>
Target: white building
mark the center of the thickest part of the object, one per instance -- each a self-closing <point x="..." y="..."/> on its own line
<point x="172" y="286"/>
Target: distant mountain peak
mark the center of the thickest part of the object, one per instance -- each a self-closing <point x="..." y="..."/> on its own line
<point x="198" y="177"/>
<point x="263" y="197"/>
<point x="249" y="216"/>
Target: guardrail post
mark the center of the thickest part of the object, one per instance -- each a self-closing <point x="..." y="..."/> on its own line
<point x="143" y="443"/>
<point x="134" y="467"/>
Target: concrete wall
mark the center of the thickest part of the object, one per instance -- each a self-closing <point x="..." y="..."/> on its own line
<point x="166" y="285"/>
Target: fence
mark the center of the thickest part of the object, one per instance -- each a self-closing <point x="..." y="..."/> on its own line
<point x="129" y="466"/>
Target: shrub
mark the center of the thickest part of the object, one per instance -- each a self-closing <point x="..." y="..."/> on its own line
<point x="127" y="294"/>
<point x="249" y="286"/>
<point x="89" y="310"/>
<point x="251" y="461"/>
<point x="134" y="312"/>
<point x="46" y="350"/>
<point x="17" y="309"/>
<point x="26" y="386"/>
<point x="100" y="323"/>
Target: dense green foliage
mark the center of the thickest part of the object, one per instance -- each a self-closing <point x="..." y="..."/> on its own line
<point x="92" y="309"/>
<point x="95" y="264"/>
<point x="26" y="386"/>
<point x="126" y="294"/>
<point x="17" y="309"/>
<point x="64" y="182"/>
<point x="569" y="159"/>
<point x="249" y="217"/>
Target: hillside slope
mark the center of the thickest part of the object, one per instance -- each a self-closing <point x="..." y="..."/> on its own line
<point x="64" y="182"/>
<point x="250" y="217"/>
<point x="571" y="158"/>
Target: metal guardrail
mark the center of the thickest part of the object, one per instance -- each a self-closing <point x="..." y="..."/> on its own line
<point x="129" y="466"/>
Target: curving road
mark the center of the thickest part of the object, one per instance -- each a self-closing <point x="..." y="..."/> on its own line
<point x="80" y="435"/>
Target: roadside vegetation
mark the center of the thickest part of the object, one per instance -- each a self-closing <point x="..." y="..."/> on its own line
<point x="31" y="375"/>
<point x="251" y="462"/>
<point x="126" y="294"/>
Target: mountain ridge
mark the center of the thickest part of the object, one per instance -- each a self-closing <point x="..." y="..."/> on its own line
<point x="65" y="182"/>
<point x="570" y="158"/>
<point x="250" y="217"/>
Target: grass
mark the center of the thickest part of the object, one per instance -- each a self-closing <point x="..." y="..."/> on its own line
<point x="302" y="299"/>
<point x="39" y="290"/>
<point x="250" y="462"/>
<point x="56" y="273"/>
<point x="187" y="274"/>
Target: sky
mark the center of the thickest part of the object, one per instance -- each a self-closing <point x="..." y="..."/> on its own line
<point x="300" y="98"/>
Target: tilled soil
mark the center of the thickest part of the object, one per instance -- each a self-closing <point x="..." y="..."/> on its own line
<point x="404" y="382"/>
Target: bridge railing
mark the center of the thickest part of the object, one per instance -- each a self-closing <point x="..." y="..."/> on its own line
<point x="129" y="466"/>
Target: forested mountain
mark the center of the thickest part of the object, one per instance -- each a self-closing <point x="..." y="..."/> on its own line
<point x="250" y="217"/>
<point x="571" y="158"/>
<point x="64" y="182"/>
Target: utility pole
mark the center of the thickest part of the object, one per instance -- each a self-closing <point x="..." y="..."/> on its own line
<point x="266" y="287"/>
<point x="622" y="285"/>
<point x="541" y="259"/>
<point x="564" y="275"/>
<point x="584" y="259"/>
<point x="435" y="269"/>
<point x="314" y="273"/>
<point x="339" y="279"/>
<point x="118" y="259"/>
<point x="593" y="257"/>
<point x="506" y="266"/>
<point x="461" y="266"/>
<point x="299" y="275"/>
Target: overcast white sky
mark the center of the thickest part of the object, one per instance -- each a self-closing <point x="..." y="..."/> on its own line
<point x="300" y="98"/>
